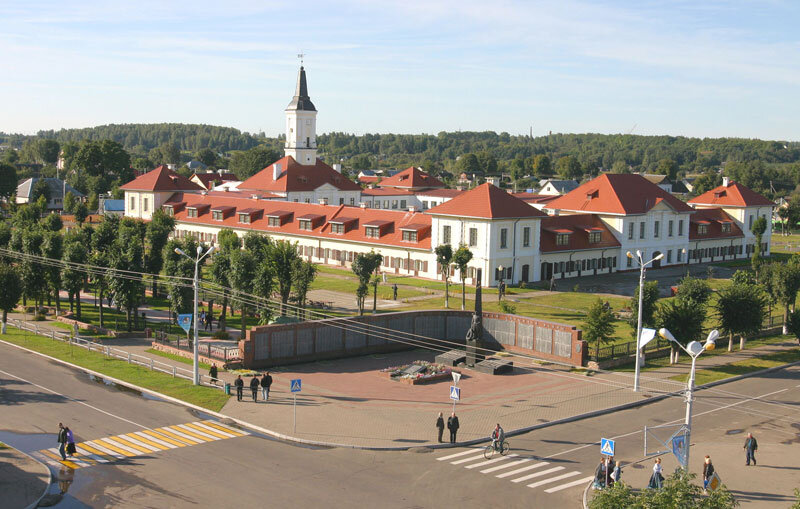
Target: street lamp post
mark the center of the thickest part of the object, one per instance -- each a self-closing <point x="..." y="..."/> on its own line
<point x="693" y="350"/>
<point x="500" y="285"/>
<point x="642" y="266"/>
<point x="196" y="285"/>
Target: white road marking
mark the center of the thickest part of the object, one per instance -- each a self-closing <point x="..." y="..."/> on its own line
<point x="215" y="430"/>
<point x="190" y="438"/>
<point x="523" y="469"/>
<point x="145" y="436"/>
<point x="139" y="443"/>
<point x="569" y="484"/>
<point x="118" y="445"/>
<point x="537" y="474"/>
<point x="467" y="460"/>
<point x="507" y="465"/>
<point x="69" y="458"/>
<point x="90" y="454"/>
<point x="553" y="479"/>
<point x="105" y="450"/>
<point x="491" y="461"/>
<point x="190" y="429"/>
<point x="456" y="455"/>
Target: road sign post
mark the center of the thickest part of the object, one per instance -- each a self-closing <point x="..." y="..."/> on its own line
<point x="606" y="447"/>
<point x="455" y="395"/>
<point x="295" y="386"/>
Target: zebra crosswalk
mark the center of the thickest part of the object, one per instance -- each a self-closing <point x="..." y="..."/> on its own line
<point x="527" y="471"/>
<point x="147" y="441"/>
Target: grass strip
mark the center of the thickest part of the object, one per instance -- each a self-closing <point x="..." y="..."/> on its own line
<point x="703" y="376"/>
<point x="178" y="358"/>
<point x="206" y="397"/>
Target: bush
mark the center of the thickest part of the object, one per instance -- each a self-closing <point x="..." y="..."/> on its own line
<point x="39" y="318"/>
<point x="221" y="334"/>
<point x="507" y="308"/>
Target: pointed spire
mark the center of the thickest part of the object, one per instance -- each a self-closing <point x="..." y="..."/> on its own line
<point x="301" y="101"/>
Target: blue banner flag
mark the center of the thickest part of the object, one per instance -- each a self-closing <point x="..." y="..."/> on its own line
<point x="185" y="321"/>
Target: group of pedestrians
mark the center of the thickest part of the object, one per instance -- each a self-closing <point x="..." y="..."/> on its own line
<point x="264" y="383"/>
<point x="452" y="425"/>
<point x="206" y="320"/>
<point x="607" y="473"/>
<point x="66" y="441"/>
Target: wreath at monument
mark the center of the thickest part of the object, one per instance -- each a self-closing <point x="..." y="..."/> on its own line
<point x="418" y="372"/>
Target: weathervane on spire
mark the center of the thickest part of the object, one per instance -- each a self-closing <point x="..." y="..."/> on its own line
<point x="300" y="56"/>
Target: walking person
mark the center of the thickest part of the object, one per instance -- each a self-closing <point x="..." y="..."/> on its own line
<point x="440" y="426"/>
<point x="708" y="472"/>
<point x="266" y="381"/>
<point x="600" y="475"/>
<point x="62" y="441"/>
<point x="452" y="425"/>
<point x="616" y="474"/>
<point x="609" y="470"/>
<point x="239" y="387"/>
<point x="750" y="447"/>
<point x="212" y="372"/>
<point x="656" y="480"/>
<point x="254" y="388"/>
<point x="70" y="442"/>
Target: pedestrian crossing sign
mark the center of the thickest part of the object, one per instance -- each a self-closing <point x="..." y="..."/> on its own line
<point x="455" y="393"/>
<point x="606" y="447"/>
<point x="297" y="385"/>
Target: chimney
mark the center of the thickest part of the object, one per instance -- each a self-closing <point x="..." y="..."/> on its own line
<point x="254" y="196"/>
<point x="276" y="171"/>
<point x="337" y="167"/>
<point x="725" y="181"/>
<point x="362" y="204"/>
<point x="323" y="201"/>
<point x="412" y="208"/>
<point x="221" y="172"/>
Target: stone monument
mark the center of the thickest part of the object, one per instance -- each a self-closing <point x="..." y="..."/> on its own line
<point x="475" y="333"/>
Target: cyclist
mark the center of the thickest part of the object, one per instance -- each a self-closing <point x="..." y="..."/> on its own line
<point x="498" y="437"/>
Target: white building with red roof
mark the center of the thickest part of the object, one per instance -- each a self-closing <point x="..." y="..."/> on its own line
<point x="147" y="193"/>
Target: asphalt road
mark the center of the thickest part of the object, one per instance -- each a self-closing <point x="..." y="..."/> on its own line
<point x="550" y="466"/>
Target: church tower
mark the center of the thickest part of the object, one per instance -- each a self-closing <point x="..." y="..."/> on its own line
<point x="301" y="125"/>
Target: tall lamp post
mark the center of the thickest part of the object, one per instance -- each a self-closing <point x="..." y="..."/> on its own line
<point x="642" y="266"/>
<point x="693" y="349"/>
<point x="196" y="284"/>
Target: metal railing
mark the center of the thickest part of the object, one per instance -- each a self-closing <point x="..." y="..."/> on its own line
<point x="222" y="353"/>
<point x="113" y="352"/>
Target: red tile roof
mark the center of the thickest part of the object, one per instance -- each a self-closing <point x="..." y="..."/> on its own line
<point x="208" y="178"/>
<point x="411" y="178"/>
<point x="367" y="179"/>
<point x="535" y="198"/>
<point x="579" y="226"/>
<point x="298" y="177"/>
<point x="617" y="194"/>
<point x="732" y="195"/>
<point x="161" y="179"/>
<point x="713" y="218"/>
<point x="486" y="201"/>
<point x="391" y="235"/>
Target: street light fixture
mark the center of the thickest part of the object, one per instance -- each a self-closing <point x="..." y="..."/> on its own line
<point x="642" y="266"/>
<point x="693" y="349"/>
<point x="196" y="285"/>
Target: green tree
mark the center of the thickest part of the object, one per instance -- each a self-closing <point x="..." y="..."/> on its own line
<point x="51" y="222"/>
<point x="740" y="309"/>
<point x="684" y="318"/>
<point x="599" y="324"/>
<point x="620" y="167"/>
<point x="46" y="151"/>
<point x="569" y="167"/>
<point x="487" y="162"/>
<point x="694" y="290"/>
<point x="206" y="156"/>
<point x="649" y="298"/>
<point x="10" y="290"/>
<point x="33" y="274"/>
<point x="244" y="265"/>
<point x="542" y="166"/>
<point x="166" y="153"/>
<point x="73" y="277"/>
<point x="128" y="256"/>
<point x="667" y="167"/>
<point x="179" y="294"/>
<point x="40" y="188"/>
<point x="81" y="213"/>
<point x="98" y="157"/>
<point x="52" y="247"/>
<point x="363" y="266"/>
<point x="785" y="283"/>
<point x="247" y="163"/>
<point x="94" y="202"/>
<point x="69" y="202"/>
<point x="8" y="180"/>
<point x="678" y="492"/>
<point x="469" y="164"/>
<point x="304" y="274"/>
<point x="228" y="242"/>
<point x="461" y="259"/>
<point x="102" y="239"/>
<point x="283" y="260"/>
<point x="444" y="257"/>
<point x="758" y="229"/>
<point x="158" y="231"/>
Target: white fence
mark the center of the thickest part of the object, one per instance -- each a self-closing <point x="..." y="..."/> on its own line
<point x="114" y="353"/>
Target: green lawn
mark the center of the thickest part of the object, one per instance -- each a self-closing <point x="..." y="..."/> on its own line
<point x="178" y="358"/>
<point x="703" y="376"/>
<point x="206" y="397"/>
<point x="337" y="284"/>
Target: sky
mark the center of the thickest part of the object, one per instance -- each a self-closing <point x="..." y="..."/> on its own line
<point x="707" y="68"/>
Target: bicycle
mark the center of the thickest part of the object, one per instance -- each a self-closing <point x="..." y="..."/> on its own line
<point x="489" y="450"/>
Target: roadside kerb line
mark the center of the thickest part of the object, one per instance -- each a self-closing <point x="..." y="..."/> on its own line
<point x="554" y="479"/>
<point x="523" y="469"/>
<point x="569" y="484"/>
<point x="507" y="465"/>
<point x="537" y="474"/>
<point x="491" y="461"/>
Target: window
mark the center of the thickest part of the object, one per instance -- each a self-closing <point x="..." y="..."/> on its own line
<point x="473" y="237"/>
<point x="702" y="229"/>
<point x="595" y="237"/>
<point x="630" y="231"/>
<point x="216" y="215"/>
<point x="669" y="255"/>
<point x="244" y="218"/>
<point x="630" y="262"/>
<point x="424" y="205"/>
<point x="341" y="201"/>
<point x="385" y="204"/>
<point x="144" y="205"/>
<point x="402" y="204"/>
<point x="669" y="228"/>
<point x="680" y="228"/>
<point x="337" y="228"/>
<point x="445" y="234"/>
<point x="191" y="212"/>
<point x="503" y="238"/>
<point x="352" y="201"/>
<point x="726" y="227"/>
<point x="308" y="200"/>
<point x="133" y="203"/>
<point x="394" y="204"/>
<point x="274" y="221"/>
<point x="680" y="255"/>
<point x="526" y="236"/>
<point x="169" y="211"/>
<point x="305" y="224"/>
<point x="750" y="222"/>
<point x="295" y="200"/>
<point x="409" y="236"/>
<point x="656" y="229"/>
<point x="372" y="232"/>
<point x="562" y="239"/>
<point x="641" y="230"/>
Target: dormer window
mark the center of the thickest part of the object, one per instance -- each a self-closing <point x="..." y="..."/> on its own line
<point x="337" y="228"/>
<point x="220" y="212"/>
<point x="702" y="229"/>
<point x="562" y="239"/>
<point x="594" y="193"/>
<point x="216" y="215"/>
<point x="595" y="236"/>
<point x="244" y="217"/>
<point x="341" y="225"/>
<point x="726" y="227"/>
<point x="305" y="224"/>
<point x="372" y="232"/>
<point x="191" y="212"/>
<point x="279" y="218"/>
<point x="168" y="210"/>
<point x="409" y="236"/>
<point x="414" y="232"/>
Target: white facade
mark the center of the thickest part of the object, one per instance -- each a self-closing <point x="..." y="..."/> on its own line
<point x="142" y="204"/>
<point x="301" y="136"/>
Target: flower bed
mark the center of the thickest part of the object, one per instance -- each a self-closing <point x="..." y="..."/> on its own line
<point x="429" y="372"/>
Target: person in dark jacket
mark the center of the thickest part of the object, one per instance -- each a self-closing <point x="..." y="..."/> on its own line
<point x="616" y="474"/>
<point x="750" y="447"/>
<point x="266" y="382"/>
<point x="254" y="388"/>
<point x="708" y="473"/>
<point x="600" y="474"/>
<point x="239" y="387"/>
<point x="440" y="425"/>
<point x="213" y="373"/>
<point x="62" y="441"/>
<point x="452" y="425"/>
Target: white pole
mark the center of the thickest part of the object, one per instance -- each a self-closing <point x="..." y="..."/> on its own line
<point x="195" y="363"/>
<point x="639" y="325"/>
<point x="294" y="394"/>
<point x="689" y="400"/>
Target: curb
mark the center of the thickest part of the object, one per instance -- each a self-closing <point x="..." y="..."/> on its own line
<point x="49" y="479"/>
<point x="288" y="438"/>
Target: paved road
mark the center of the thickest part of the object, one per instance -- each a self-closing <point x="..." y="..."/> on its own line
<point x="246" y="470"/>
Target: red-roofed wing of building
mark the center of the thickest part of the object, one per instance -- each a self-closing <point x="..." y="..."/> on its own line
<point x="161" y="179"/>
<point x="207" y="179"/>
<point x="287" y="175"/>
<point x="486" y="201"/>
<point x="578" y="232"/>
<point x="733" y="194"/>
<point x="713" y="223"/>
<point x="412" y="178"/>
<point x="617" y="194"/>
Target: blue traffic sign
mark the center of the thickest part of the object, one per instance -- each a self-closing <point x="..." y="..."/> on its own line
<point x="455" y="393"/>
<point x="297" y="385"/>
<point x="606" y="447"/>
